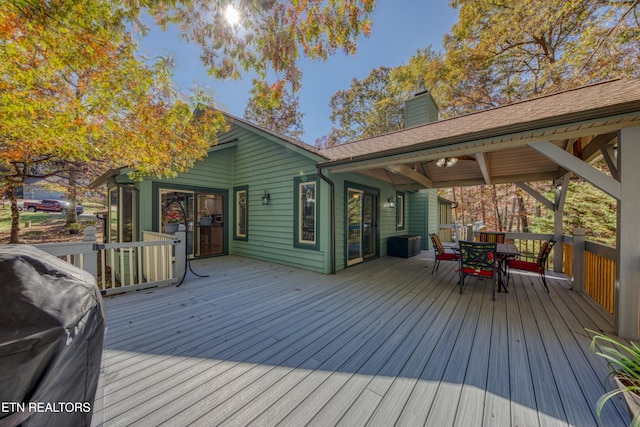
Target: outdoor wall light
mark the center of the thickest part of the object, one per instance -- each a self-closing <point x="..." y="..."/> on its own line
<point x="265" y="197"/>
<point x="390" y="202"/>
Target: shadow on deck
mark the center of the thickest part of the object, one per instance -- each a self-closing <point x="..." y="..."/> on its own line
<point x="382" y="343"/>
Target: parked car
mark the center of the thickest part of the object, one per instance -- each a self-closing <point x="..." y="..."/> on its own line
<point x="51" y="205"/>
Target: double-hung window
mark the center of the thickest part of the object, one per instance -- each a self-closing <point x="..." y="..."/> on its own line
<point x="241" y="213"/>
<point x="399" y="211"/>
<point x="306" y="213"/>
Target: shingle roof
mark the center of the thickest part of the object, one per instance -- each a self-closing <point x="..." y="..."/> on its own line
<point x="588" y="102"/>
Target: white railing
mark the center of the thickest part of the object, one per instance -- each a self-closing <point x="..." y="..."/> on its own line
<point x="157" y="259"/>
<point x="452" y="232"/>
<point x="120" y="267"/>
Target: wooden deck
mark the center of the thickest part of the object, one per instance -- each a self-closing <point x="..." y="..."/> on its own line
<point x="383" y="343"/>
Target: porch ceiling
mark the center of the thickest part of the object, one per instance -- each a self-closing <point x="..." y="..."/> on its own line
<point x="493" y="145"/>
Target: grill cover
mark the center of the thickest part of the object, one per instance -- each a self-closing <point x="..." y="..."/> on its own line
<point x="51" y="337"/>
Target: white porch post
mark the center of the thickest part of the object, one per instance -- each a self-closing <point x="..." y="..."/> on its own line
<point x="562" y="187"/>
<point x="627" y="310"/>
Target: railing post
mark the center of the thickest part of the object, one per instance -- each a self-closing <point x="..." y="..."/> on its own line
<point x="578" y="259"/>
<point x="91" y="259"/>
<point x="469" y="236"/>
<point x="180" y="265"/>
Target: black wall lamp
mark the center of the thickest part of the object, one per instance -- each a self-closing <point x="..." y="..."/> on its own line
<point x="265" y="197"/>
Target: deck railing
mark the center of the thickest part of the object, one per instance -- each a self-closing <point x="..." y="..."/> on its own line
<point x="449" y="232"/>
<point x="120" y="267"/>
<point x="592" y="265"/>
<point x="135" y="265"/>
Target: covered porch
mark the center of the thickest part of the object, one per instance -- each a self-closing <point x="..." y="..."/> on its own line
<point x="549" y="138"/>
<point x="381" y="343"/>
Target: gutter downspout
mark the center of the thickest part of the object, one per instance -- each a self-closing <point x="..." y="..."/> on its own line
<point x="332" y="217"/>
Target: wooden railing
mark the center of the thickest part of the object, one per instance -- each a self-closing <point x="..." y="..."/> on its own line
<point x="599" y="270"/>
<point x="120" y="267"/>
<point x="447" y="232"/>
<point x="592" y="266"/>
<point x="135" y="265"/>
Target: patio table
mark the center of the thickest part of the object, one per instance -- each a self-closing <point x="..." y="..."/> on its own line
<point x="504" y="251"/>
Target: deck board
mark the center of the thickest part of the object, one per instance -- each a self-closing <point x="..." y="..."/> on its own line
<point x="382" y="343"/>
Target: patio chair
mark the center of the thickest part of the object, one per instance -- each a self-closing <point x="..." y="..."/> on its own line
<point x="478" y="259"/>
<point x="441" y="253"/>
<point x="539" y="266"/>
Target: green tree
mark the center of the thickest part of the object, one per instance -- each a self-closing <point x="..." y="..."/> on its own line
<point x="283" y="117"/>
<point x="366" y="109"/>
<point x="375" y="104"/>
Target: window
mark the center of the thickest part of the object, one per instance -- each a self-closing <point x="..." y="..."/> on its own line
<point x="399" y="211"/>
<point x="306" y="225"/>
<point x="123" y="205"/>
<point x="112" y="228"/>
<point x="240" y="213"/>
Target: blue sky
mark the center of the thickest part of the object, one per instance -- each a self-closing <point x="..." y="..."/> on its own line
<point x="400" y="27"/>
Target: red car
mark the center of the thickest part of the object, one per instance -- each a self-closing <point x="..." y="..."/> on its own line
<point x="50" y="205"/>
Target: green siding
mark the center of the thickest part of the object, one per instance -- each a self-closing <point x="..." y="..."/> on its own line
<point x="433" y="217"/>
<point x="419" y="110"/>
<point x="262" y="165"/>
<point x="423" y="214"/>
<point x="417" y="211"/>
<point x="386" y="216"/>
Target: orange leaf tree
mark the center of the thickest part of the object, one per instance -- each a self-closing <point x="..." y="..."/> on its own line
<point x="268" y="38"/>
<point x="74" y="92"/>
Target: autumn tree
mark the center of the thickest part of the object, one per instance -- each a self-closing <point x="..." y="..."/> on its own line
<point x="263" y="38"/>
<point x="282" y="116"/>
<point x="366" y="109"/>
<point x="375" y="104"/>
<point x="502" y="52"/>
<point x="74" y="92"/>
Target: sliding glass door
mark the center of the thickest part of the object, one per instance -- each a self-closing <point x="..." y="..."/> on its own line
<point x="362" y="225"/>
<point x="202" y="213"/>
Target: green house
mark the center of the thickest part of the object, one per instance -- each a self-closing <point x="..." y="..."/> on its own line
<point x="262" y="195"/>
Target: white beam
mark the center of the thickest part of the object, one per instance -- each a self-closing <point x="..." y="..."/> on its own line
<point x="406" y="171"/>
<point x="627" y="311"/>
<point x="562" y="186"/>
<point x="610" y="159"/>
<point x="592" y="149"/>
<point x="577" y="166"/>
<point x="483" y="162"/>
<point x="533" y="193"/>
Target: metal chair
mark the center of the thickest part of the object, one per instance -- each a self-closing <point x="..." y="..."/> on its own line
<point x="478" y="259"/>
<point x="539" y="266"/>
<point x="441" y="253"/>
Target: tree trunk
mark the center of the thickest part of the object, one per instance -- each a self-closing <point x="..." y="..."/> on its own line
<point x="512" y="216"/>
<point x="483" y="207"/>
<point x="494" y="197"/>
<point x="15" y="214"/>
<point x="72" y="194"/>
<point x="522" y="213"/>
